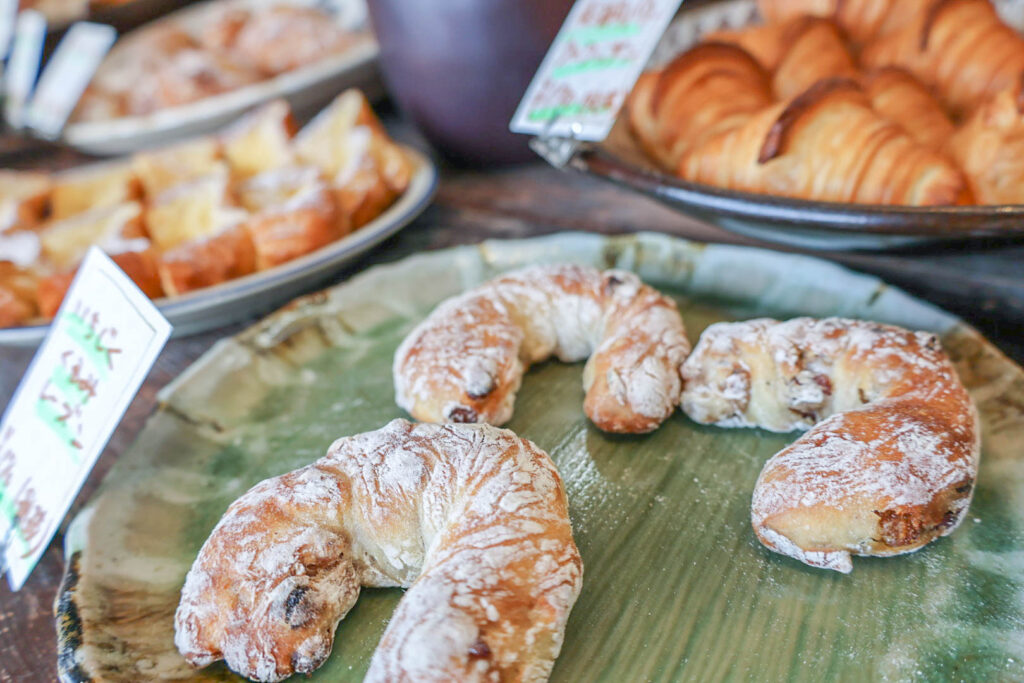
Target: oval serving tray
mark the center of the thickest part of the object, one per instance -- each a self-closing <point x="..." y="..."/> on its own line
<point x="676" y="587"/>
<point x="795" y="222"/>
<point x="246" y="296"/>
<point x="306" y="88"/>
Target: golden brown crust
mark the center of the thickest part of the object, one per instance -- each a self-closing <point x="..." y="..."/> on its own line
<point x="140" y="266"/>
<point x="900" y="97"/>
<point x="711" y="88"/>
<point x="960" y="47"/>
<point x="764" y="42"/>
<point x="815" y="50"/>
<point x="17" y="294"/>
<point x="203" y="263"/>
<point x="821" y="93"/>
<point x="989" y="146"/>
<point x="862" y="20"/>
<point x="827" y="144"/>
<point x="281" y="237"/>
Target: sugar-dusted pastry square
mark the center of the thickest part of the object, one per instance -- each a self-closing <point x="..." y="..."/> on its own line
<point x="112" y="228"/>
<point x="207" y="261"/>
<point x="348" y="144"/>
<point x="294" y="213"/>
<point x="93" y="187"/>
<point x="261" y="140"/>
<point x="194" y="210"/>
<point x="161" y="169"/>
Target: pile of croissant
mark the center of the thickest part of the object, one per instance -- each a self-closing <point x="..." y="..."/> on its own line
<point x="917" y="102"/>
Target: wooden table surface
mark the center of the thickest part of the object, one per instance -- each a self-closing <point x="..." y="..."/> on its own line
<point x="985" y="286"/>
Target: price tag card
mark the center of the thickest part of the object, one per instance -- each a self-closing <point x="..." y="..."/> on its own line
<point x="591" y="66"/>
<point x="67" y="74"/>
<point x="23" y="65"/>
<point x="8" y="16"/>
<point x="100" y="347"/>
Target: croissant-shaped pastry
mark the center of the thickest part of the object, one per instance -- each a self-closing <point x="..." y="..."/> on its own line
<point x="904" y="100"/>
<point x="989" y="146"/>
<point x="471" y="519"/>
<point x="815" y="49"/>
<point x="711" y="88"/>
<point x="465" y="362"/>
<point x="892" y="453"/>
<point x="827" y="144"/>
<point x="960" y="47"/>
<point x="764" y="42"/>
<point x="861" y="20"/>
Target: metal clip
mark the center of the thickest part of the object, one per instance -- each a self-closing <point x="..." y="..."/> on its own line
<point x="554" y="149"/>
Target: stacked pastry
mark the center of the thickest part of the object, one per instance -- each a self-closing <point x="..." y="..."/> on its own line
<point x="864" y="101"/>
<point x="227" y="46"/>
<point x="201" y="212"/>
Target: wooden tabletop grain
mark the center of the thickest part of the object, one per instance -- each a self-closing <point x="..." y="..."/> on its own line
<point x="984" y="285"/>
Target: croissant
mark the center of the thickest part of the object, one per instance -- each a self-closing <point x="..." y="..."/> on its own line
<point x="815" y="50"/>
<point x="764" y="42"/>
<point x="827" y="144"/>
<point x="465" y="362"/>
<point x="989" y="146"/>
<point x="892" y="453"/>
<point x="711" y="88"/>
<point x="861" y="20"/>
<point x="904" y="100"/>
<point x="470" y="518"/>
<point x="961" y="47"/>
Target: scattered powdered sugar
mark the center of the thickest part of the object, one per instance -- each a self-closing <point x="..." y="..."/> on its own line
<point x="471" y="518"/>
<point x="838" y="560"/>
<point x="893" y="431"/>
<point x="465" y="362"/>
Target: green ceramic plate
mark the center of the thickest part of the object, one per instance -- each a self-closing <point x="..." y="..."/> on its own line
<point x="676" y="587"/>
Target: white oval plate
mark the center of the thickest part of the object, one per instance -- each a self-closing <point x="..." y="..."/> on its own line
<point x="247" y="296"/>
<point x="307" y="89"/>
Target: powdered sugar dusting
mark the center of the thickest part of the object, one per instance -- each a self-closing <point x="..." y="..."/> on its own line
<point x="892" y="453"/>
<point x="465" y="362"/>
<point x="471" y="518"/>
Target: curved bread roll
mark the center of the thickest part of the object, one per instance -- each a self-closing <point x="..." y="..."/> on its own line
<point x="465" y="362"/>
<point x="904" y="100"/>
<point x="815" y="50"/>
<point x="827" y="144"/>
<point x="961" y="47"/>
<point x="892" y="453"/>
<point x="471" y="518"/>
<point x="712" y="88"/>
<point x="989" y="146"/>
